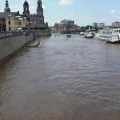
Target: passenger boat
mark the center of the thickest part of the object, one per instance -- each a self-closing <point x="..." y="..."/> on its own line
<point x="109" y="35"/>
<point x="103" y="34"/>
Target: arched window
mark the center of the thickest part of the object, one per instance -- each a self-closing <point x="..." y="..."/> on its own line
<point x="9" y="22"/>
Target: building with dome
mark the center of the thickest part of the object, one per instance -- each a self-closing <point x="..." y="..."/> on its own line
<point x="36" y="19"/>
<point x="3" y="15"/>
<point x="24" y="20"/>
<point x="66" y="25"/>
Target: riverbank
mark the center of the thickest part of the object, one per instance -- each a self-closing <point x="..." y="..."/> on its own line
<point x="13" y="43"/>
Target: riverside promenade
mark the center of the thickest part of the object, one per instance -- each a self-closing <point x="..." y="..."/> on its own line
<point x="62" y="79"/>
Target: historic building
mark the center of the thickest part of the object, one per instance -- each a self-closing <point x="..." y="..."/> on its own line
<point x="24" y="20"/>
<point x="4" y="14"/>
<point x="66" y="25"/>
<point x="36" y="20"/>
<point x="13" y="23"/>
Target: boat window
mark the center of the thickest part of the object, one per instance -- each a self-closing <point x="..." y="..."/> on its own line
<point x="119" y="31"/>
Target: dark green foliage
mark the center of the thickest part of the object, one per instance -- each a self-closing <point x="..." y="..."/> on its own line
<point x="83" y="29"/>
<point x="88" y="26"/>
<point x="24" y="28"/>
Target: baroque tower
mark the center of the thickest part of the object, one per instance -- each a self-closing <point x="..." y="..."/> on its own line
<point x="26" y="11"/>
<point x="7" y="9"/>
<point x="39" y="8"/>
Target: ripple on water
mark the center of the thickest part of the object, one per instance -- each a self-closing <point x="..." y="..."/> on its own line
<point x="74" y="79"/>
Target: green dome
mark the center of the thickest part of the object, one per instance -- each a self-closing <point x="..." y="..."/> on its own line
<point x="9" y="15"/>
<point x="20" y="18"/>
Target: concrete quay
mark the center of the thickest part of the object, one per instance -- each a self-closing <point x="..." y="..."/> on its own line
<point x="12" y="43"/>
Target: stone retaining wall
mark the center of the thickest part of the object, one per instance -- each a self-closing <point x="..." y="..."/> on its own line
<point x="10" y="45"/>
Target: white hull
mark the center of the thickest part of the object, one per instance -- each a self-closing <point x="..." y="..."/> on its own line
<point x="103" y="37"/>
<point x="113" y="36"/>
<point x="88" y="35"/>
<point x="81" y="33"/>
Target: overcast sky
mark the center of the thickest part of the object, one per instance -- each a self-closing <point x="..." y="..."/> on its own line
<point x="83" y="12"/>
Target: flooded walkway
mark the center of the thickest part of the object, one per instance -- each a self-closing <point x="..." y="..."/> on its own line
<point x="62" y="79"/>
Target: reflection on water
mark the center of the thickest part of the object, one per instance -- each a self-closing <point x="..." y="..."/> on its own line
<point x="62" y="79"/>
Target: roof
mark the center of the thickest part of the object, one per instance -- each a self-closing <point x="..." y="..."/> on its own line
<point x="68" y="20"/>
<point x="20" y="18"/>
<point x="59" y="24"/>
<point x="4" y="14"/>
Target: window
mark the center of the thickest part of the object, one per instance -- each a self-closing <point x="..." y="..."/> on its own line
<point x="19" y="23"/>
<point x="9" y="22"/>
<point x="9" y="28"/>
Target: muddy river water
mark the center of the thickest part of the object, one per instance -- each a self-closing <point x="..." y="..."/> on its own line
<point x="62" y="79"/>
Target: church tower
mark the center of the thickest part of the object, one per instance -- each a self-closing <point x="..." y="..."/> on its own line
<point x="26" y="11"/>
<point x="7" y="9"/>
<point x="39" y="8"/>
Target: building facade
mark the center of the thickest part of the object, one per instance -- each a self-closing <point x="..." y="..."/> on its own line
<point x="116" y="24"/>
<point x="94" y="24"/>
<point x="13" y="23"/>
<point x="101" y="25"/>
<point x="36" y="19"/>
<point x="33" y="20"/>
<point x="65" y="25"/>
<point x="4" y="14"/>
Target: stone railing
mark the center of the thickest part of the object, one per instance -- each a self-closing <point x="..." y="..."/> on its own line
<point x="14" y="33"/>
<point x="43" y="33"/>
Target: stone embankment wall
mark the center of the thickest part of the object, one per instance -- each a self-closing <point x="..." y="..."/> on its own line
<point x="11" y="44"/>
<point x="40" y="34"/>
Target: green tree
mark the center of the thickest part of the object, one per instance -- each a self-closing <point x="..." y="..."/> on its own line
<point x="88" y="26"/>
<point x="83" y="29"/>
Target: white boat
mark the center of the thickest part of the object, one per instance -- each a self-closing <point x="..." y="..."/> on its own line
<point x="81" y="33"/>
<point x="109" y="35"/>
<point x="103" y="34"/>
<point x="115" y="36"/>
<point x="88" y="34"/>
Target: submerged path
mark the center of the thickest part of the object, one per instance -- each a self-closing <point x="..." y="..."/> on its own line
<point x="62" y="79"/>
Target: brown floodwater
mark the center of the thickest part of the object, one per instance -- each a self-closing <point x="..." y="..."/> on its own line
<point x="62" y="79"/>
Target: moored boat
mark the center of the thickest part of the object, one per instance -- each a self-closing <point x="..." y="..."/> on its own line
<point x="88" y="34"/>
<point x="109" y="35"/>
<point x="81" y="33"/>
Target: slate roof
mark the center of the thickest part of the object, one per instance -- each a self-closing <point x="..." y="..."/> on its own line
<point x="4" y="14"/>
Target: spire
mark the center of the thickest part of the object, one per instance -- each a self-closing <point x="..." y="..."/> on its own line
<point x="39" y="3"/>
<point x="26" y="11"/>
<point x="7" y="9"/>
<point x="7" y="5"/>
<point x="39" y="8"/>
